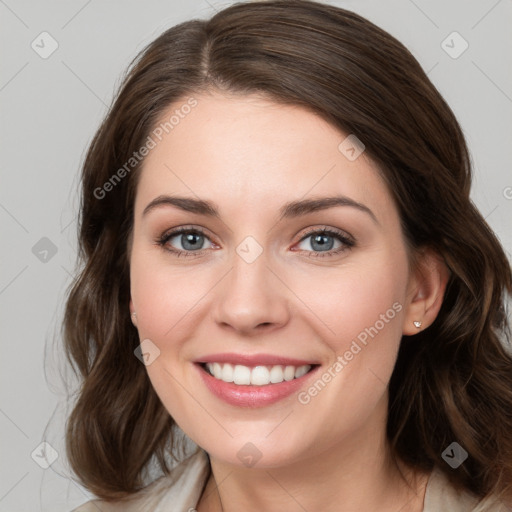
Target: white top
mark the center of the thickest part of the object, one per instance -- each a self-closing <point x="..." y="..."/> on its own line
<point x="181" y="490"/>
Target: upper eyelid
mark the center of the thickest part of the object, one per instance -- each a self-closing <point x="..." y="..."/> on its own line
<point x="171" y="233"/>
<point x="330" y="230"/>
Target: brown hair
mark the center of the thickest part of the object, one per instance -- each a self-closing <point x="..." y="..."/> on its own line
<point x="452" y="382"/>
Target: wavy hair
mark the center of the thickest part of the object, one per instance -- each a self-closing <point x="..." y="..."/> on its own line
<point x="452" y="382"/>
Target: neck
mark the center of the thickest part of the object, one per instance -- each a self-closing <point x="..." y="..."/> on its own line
<point x="356" y="474"/>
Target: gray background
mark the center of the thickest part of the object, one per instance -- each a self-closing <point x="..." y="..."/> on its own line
<point x="50" y="109"/>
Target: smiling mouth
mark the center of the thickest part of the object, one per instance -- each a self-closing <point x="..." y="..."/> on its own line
<point x="256" y="375"/>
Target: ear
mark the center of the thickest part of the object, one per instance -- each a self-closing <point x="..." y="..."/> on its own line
<point x="427" y="284"/>
<point x="133" y="314"/>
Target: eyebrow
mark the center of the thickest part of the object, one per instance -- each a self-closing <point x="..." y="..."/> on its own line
<point x="292" y="209"/>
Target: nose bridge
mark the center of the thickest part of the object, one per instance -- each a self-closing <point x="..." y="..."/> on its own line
<point x="251" y="295"/>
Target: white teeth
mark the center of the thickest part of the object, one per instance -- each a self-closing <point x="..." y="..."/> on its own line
<point x="301" y="370"/>
<point x="257" y="375"/>
<point x="289" y="373"/>
<point x="217" y="370"/>
<point x="260" y="376"/>
<point x="241" y="374"/>
<point x="227" y="373"/>
<point x="276" y="374"/>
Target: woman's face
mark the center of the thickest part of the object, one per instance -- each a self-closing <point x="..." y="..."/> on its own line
<point x="292" y="256"/>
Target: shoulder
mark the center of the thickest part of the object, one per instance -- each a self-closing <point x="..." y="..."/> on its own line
<point x="442" y="496"/>
<point x="181" y="488"/>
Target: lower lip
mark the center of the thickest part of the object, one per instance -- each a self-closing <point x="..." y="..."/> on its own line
<point x="252" y="396"/>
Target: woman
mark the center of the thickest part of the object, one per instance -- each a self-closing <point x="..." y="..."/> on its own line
<point x="281" y="260"/>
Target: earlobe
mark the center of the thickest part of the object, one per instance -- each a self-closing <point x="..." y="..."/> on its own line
<point x="133" y="314"/>
<point x="426" y="292"/>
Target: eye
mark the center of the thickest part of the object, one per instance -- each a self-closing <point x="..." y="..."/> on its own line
<point x="327" y="241"/>
<point x="184" y="241"/>
<point x="187" y="241"/>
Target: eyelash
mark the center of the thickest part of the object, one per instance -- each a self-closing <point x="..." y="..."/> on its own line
<point x="165" y="237"/>
<point x="347" y="242"/>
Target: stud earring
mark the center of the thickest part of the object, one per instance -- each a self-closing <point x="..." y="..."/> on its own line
<point x="417" y="324"/>
<point x="134" y="315"/>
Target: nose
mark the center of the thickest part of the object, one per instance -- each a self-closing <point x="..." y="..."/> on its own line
<point x="251" y="299"/>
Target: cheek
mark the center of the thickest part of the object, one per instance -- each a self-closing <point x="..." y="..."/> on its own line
<point x="167" y="301"/>
<point x="165" y="296"/>
<point x="356" y="297"/>
<point x="363" y="309"/>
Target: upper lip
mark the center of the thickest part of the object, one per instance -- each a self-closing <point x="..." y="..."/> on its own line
<point x="253" y="359"/>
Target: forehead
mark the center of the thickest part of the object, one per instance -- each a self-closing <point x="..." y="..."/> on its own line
<point x="251" y="151"/>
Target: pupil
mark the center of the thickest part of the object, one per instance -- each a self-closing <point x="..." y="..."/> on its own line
<point x="322" y="242"/>
<point x="190" y="241"/>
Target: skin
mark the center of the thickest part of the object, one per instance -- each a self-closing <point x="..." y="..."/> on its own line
<point x="250" y="156"/>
